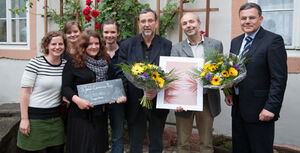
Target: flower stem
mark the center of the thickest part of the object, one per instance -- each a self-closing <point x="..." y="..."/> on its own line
<point x="146" y="103"/>
<point x="228" y="91"/>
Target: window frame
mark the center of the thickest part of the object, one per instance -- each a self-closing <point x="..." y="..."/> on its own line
<point x="15" y="45"/>
<point x="21" y="52"/>
<point x="296" y="23"/>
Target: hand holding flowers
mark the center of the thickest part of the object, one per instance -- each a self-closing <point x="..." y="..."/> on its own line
<point x="149" y="77"/>
<point x="221" y="71"/>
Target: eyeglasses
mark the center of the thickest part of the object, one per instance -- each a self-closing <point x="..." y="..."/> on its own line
<point x="150" y="21"/>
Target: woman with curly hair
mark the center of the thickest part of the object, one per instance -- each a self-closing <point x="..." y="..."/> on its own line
<point x="87" y="124"/>
<point x="41" y="126"/>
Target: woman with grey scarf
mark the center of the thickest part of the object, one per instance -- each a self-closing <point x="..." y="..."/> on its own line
<point x="87" y="124"/>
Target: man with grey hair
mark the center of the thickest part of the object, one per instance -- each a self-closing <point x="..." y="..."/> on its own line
<point x="196" y="46"/>
<point x="146" y="46"/>
<point x="257" y="100"/>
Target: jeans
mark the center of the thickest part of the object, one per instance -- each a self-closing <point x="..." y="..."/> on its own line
<point x="116" y="116"/>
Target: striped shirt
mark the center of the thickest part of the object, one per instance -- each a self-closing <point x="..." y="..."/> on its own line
<point x="45" y="80"/>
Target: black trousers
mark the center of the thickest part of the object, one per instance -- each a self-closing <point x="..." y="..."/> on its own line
<point x="137" y="132"/>
<point x="248" y="137"/>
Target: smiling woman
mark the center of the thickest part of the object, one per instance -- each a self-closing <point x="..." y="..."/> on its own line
<point x="87" y="124"/>
<point x="41" y="126"/>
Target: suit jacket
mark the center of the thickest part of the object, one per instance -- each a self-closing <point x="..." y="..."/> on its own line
<point x="265" y="83"/>
<point x="183" y="49"/>
<point x="131" y="52"/>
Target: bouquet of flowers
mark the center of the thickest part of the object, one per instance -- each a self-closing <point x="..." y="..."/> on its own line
<point x="148" y="77"/>
<point x="221" y="72"/>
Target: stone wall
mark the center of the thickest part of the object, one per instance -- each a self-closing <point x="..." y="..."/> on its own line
<point x="9" y="124"/>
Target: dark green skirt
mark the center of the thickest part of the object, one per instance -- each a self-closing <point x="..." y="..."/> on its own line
<point x="43" y="133"/>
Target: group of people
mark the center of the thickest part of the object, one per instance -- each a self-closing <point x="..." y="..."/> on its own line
<point x="77" y="57"/>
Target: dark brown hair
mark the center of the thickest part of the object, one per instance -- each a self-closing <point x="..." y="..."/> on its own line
<point x="249" y="6"/>
<point x="68" y="25"/>
<point x="146" y="10"/>
<point x="83" y="42"/>
<point x="47" y="39"/>
<point x="110" y="21"/>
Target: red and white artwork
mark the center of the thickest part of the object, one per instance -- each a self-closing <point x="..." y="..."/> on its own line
<point x="186" y="92"/>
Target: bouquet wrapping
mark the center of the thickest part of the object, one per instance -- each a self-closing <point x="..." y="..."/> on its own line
<point x="148" y="77"/>
<point x="221" y="72"/>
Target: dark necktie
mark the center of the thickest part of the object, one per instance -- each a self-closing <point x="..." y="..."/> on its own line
<point x="247" y="45"/>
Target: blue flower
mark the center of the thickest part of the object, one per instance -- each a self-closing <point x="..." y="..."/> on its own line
<point x="166" y="78"/>
<point x="209" y="77"/>
<point x="145" y="76"/>
<point x="237" y="67"/>
<point x="159" y="68"/>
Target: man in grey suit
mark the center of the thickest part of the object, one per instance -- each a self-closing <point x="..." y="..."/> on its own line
<point x="195" y="46"/>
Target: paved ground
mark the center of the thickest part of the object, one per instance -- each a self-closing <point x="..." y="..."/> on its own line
<point x="171" y="149"/>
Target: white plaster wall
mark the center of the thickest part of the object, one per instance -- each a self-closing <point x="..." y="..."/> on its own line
<point x="10" y="78"/>
<point x="11" y="70"/>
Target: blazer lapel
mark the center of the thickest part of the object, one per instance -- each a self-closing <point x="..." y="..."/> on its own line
<point x="256" y="42"/>
<point x="187" y="49"/>
<point x="206" y="45"/>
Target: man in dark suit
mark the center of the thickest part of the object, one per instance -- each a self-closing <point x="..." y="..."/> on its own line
<point x="196" y="45"/>
<point x="258" y="98"/>
<point x="146" y="46"/>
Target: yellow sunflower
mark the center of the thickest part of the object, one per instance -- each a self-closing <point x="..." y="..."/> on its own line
<point x="202" y="75"/>
<point x="233" y="71"/>
<point x="155" y="75"/>
<point x="215" y="80"/>
<point x="138" y="64"/>
<point x="152" y="66"/>
<point x="206" y="66"/>
<point x="212" y="68"/>
<point x="160" y="82"/>
<point x="137" y="70"/>
<point x="225" y="73"/>
<point x="145" y="68"/>
<point x="219" y="63"/>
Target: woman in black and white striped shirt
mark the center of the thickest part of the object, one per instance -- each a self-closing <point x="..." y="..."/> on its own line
<point x="41" y="126"/>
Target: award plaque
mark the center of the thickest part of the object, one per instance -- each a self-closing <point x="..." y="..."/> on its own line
<point x="101" y="92"/>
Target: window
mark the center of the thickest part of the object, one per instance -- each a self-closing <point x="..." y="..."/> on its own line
<point x="14" y="28"/>
<point x="280" y="16"/>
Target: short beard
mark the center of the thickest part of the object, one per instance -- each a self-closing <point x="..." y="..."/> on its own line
<point x="149" y="34"/>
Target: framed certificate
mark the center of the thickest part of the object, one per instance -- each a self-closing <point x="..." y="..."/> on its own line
<point x="186" y="92"/>
<point x="101" y="92"/>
